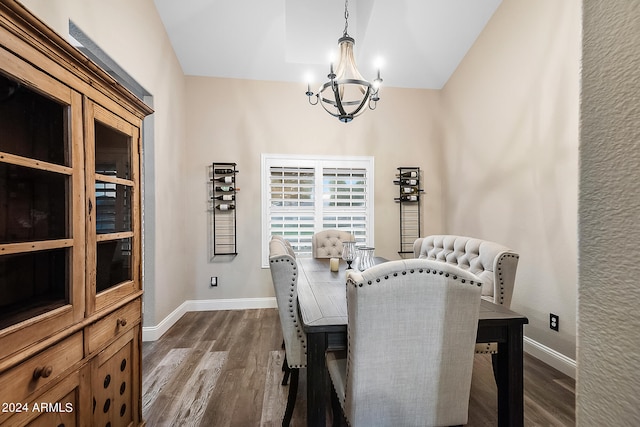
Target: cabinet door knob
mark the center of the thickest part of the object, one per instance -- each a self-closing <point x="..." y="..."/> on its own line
<point x="42" y="372"/>
<point x="122" y="322"/>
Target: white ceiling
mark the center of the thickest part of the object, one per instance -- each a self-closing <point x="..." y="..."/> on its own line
<point x="418" y="42"/>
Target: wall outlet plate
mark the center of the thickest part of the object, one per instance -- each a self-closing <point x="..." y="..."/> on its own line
<point x="554" y="321"/>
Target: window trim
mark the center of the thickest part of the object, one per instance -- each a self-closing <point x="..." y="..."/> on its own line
<point x="295" y="160"/>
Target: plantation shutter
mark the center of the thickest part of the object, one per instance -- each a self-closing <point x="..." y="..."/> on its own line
<point x="303" y="195"/>
<point x="345" y="200"/>
<point x="292" y="205"/>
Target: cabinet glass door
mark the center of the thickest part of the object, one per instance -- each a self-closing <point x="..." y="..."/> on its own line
<point x="41" y="185"/>
<point x="113" y="207"/>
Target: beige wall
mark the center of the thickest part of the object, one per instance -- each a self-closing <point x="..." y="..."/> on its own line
<point x="608" y="390"/>
<point x="131" y="33"/>
<point x="498" y="147"/>
<point x="238" y="120"/>
<point x="510" y="110"/>
<point x="511" y="154"/>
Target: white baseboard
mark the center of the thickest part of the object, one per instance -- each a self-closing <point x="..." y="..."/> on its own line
<point x="551" y="357"/>
<point x="152" y="333"/>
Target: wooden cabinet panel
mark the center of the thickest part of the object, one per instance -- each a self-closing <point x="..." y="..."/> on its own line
<point x="34" y="373"/>
<point x="70" y="233"/>
<point x="116" y="383"/>
<point x="113" y="225"/>
<point x="109" y="327"/>
<point x="36" y="214"/>
<point x="61" y="406"/>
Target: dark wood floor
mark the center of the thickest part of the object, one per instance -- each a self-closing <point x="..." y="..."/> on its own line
<point x="223" y="368"/>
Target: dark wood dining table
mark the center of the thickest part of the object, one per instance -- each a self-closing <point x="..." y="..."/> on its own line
<point x="323" y="309"/>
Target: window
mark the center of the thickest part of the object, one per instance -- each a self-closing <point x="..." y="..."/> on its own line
<point x="305" y="194"/>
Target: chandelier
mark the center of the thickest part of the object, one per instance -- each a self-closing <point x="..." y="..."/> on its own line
<point x="347" y="93"/>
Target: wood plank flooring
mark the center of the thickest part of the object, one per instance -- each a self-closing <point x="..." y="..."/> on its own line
<point x="223" y="368"/>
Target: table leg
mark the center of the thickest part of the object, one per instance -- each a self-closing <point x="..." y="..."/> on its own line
<point x="317" y="379"/>
<point x="509" y="379"/>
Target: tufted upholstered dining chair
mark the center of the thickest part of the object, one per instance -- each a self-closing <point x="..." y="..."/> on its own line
<point x="286" y="244"/>
<point x="328" y="243"/>
<point x="492" y="262"/>
<point x="284" y="275"/>
<point x="290" y="251"/>
<point x="411" y="333"/>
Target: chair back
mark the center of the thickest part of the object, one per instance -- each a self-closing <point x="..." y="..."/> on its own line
<point x="493" y="263"/>
<point x="328" y="243"/>
<point x="412" y="326"/>
<point x="284" y="275"/>
<point x="286" y="243"/>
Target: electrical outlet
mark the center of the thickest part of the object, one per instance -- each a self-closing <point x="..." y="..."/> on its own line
<point x="554" y="321"/>
<point x="214" y="281"/>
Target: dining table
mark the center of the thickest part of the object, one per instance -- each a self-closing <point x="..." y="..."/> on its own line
<point x="322" y="304"/>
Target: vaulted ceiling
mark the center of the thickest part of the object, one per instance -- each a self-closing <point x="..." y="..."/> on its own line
<point x="418" y="43"/>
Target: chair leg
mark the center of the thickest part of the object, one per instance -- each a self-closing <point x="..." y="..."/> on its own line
<point x="291" y="399"/>
<point x="287" y="371"/>
<point x="494" y="363"/>
<point x="338" y="415"/>
<point x="285" y="367"/>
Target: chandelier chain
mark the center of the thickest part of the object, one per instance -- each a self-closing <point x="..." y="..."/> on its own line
<point x="346" y="18"/>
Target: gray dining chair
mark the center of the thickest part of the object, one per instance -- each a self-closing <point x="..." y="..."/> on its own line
<point x="284" y="275"/>
<point x="493" y="263"/>
<point x="328" y="243"/>
<point x="290" y="251"/>
<point x="411" y="334"/>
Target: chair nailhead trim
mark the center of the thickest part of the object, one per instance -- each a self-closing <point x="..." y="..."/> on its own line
<point x="292" y="312"/>
<point x="404" y="272"/>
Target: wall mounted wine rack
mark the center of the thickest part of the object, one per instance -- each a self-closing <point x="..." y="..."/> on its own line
<point x="408" y="182"/>
<point x="224" y="201"/>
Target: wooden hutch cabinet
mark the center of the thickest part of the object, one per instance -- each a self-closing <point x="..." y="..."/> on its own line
<point x="70" y="234"/>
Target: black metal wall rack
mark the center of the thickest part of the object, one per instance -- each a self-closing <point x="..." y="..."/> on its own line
<point x="224" y="201"/>
<point x="409" y="191"/>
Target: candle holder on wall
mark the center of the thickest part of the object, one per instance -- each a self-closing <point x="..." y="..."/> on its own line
<point x="223" y="197"/>
<point x="408" y="182"/>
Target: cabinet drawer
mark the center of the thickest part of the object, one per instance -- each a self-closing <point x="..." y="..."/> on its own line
<point x="34" y="373"/>
<point x="113" y="325"/>
<point x="60" y="406"/>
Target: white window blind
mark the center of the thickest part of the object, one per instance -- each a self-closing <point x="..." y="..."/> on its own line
<point x="302" y="195"/>
<point x="345" y="200"/>
<point x="292" y="204"/>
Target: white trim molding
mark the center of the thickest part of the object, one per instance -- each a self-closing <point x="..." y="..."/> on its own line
<point x="551" y="357"/>
<point x="152" y="333"/>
